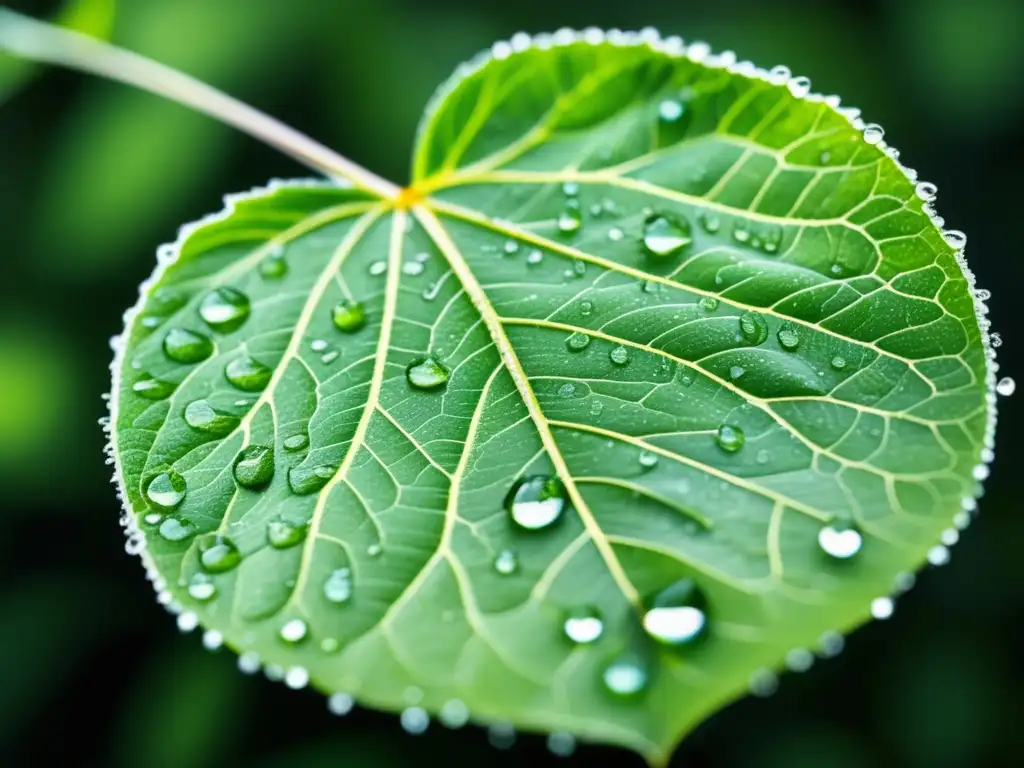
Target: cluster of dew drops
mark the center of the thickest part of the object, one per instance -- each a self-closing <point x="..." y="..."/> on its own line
<point x="677" y="616"/>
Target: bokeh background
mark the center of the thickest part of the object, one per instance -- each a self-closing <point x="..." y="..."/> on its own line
<point x="93" y="176"/>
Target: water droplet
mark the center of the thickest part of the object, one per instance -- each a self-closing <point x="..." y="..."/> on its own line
<point x="330" y="645"/>
<point x="754" y="328"/>
<point x="536" y="502"/>
<point x="412" y="268"/>
<point x="249" y="663"/>
<point x="173" y="529"/>
<point x="670" y="110"/>
<point x="218" y="554"/>
<point x="329" y="357"/>
<point x="153" y="518"/>
<point x="926" y="190"/>
<point x="736" y="372"/>
<point x="187" y="621"/>
<point x="763" y="682"/>
<point x="799" y="660"/>
<point x="506" y="563"/>
<point x="293" y="631"/>
<point x="501" y="735"/>
<point x="710" y="223"/>
<point x="955" y="238"/>
<point x="570" y="221"/>
<point x="583" y="625"/>
<point x="304" y="481"/>
<point x="247" y="374"/>
<point x="626" y="676"/>
<point x="201" y="588"/>
<point x="996" y="340"/>
<point x="678" y="614"/>
<point x="282" y="534"/>
<point x="454" y="714"/>
<point x="788" y="336"/>
<point x="224" y="309"/>
<point x="730" y="438"/>
<point x="561" y="743"/>
<point x="615" y="234"/>
<point x="340" y="704"/>
<point x="577" y="342"/>
<point x="839" y="362"/>
<point x="873" y="133"/>
<point x="567" y="390"/>
<point x="938" y="555"/>
<point x="274" y="267"/>
<point x="1006" y="386"/>
<point x="414" y="720"/>
<point x="152" y="389"/>
<point x="619" y="355"/>
<point x="295" y="442"/>
<point x="166" y="490"/>
<point x="185" y="346"/>
<point x="831" y="644"/>
<point x="648" y="459"/>
<point x="338" y="586"/>
<point x="570" y="189"/>
<point x="740" y="234"/>
<point x="596" y="407"/>
<point x="663" y="237"/>
<point x="534" y="257"/>
<point x="426" y="373"/>
<point x="296" y="678"/>
<point x="708" y="303"/>
<point x="348" y="316"/>
<point x="202" y="416"/>
<point x="378" y="268"/>
<point x="212" y="640"/>
<point x="254" y="466"/>
<point x="586" y="307"/>
<point x="882" y="607"/>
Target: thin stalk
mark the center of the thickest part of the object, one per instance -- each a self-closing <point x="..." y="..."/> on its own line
<point x="31" y="39"/>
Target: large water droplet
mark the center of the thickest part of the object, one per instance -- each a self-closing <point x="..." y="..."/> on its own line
<point x="218" y="554"/>
<point x="753" y="327"/>
<point x="248" y="374"/>
<point x="152" y="389"/>
<point x="426" y="373"/>
<point x="293" y="631"/>
<point x="338" y="586"/>
<point x="282" y="534"/>
<point x="619" y="355"/>
<point x="577" y="342"/>
<point x="185" y="346"/>
<point x="583" y="625"/>
<point x="627" y="675"/>
<point x="166" y="490"/>
<point x="663" y="236"/>
<point x="788" y="336"/>
<point x="254" y="466"/>
<point x="202" y="416"/>
<point x="224" y="309"/>
<point x="730" y="438"/>
<point x="536" y="502"/>
<point x="305" y="480"/>
<point x="841" y="541"/>
<point x="678" y="614"/>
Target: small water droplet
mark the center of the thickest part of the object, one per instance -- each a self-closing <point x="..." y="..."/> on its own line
<point x="648" y="459"/>
<point x="506" y="563"/>
<point x="788" y="336"/>
<point x="710" y="223"/>
<point x="567" y="390"/>
<point x="378" y="268"/>
<point x="153" y="518"/>
<point x="511" y="247"/>
<point x="304" y="480"/>
<point x="224" y="309"/>
<point x="426" y="373"/>
<point x="454" y="714"/>
<point x="184" y="346"/>
<point x="282" y="534"/>
<point x="626" y="676"/>
<point x="799" y="660"/>
<point x="536" y="502"/>
<point x="831" y="644"/>
<point x="586" y="307"/>
<point x="293" y="631"/>
<point x="619" y="355"/>
<point x="296" y="678"/>
<point x="412" y="268"/>
<point x="201" y="588"/>
<point x="670" y="110"/>
<point x="273" y="266"/>
<point x="730" y="438"/>
<point x="173" y="529"/>
<point x="938" y="555"/>
<point x="534" y="257"/>
<point x="501" y="735"/>
<point x="926" y="190"/>
<point x="202" y="416"/>
<point x="254" y="467"/>
<point x="338" y="586"/>
<point x="414" y="720"/>
<point x="329" y="357"/>
<point x="741" y="234"/>
<point x="873" y="133"/>
<point x="152" y="389"/>
<point x="708" y="303"/>
<point x="570" y="189"/>
<point x="340" y="704"/>
<point x="247" y="374"/>
<point x="596" y="407"/>
<point x="736" y="372"/>
<point x="249" y="663"/>
<point x="374" y="550"/>
<point x="212" y="640"/>
<point x="882" y="607"/>
<point x="577" y="342"/>
<point x="763" y="682"/>
<point x="348" y="316"/>
<point x="187" y="621"/>
<point x="318" y="345"/>
<point x="570" y="221"/>
<point x="295" y="442"/>
<point x="583" y="625"/>
<point x="218" y="554"/>
<point x="955" y="238"/>
<point x="663" y="236"/>
<point x="839" y="362"/>
<point x="678" y="614"/>
<point x="615" y="234"/>
<point x="330" y="645"/>
<point x="1006" y="386"/>
<point x="561" y="743"/>
<point x="753" y="327"/>
<point x="166" y="490"/>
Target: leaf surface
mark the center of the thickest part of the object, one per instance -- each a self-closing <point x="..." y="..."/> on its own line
<point x="659" y="376"/>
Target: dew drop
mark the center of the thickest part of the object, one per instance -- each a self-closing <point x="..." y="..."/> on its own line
<point x="329" y="357"/>
<point x="926" y="190"/>
<point x="615" y="234"/>
<point x="202" y="416"/>
<point x="304" y="480"/>
<point x="882" y="607"/>
<point x="426" y="373"/>
<point x="212" y="640"/>
<point x="534" y="257"/>
<point x="374" y="550"/>
<point x="754" y="328"/>
<point x="274" y="267"/>
<point x="536" y="502"/>
<point x="184" y="346"/>
<point x="955" y="238"/>
<point x="788" y="336"/>
<point x="506" y="563"/>
<point x="838" y="362"/>
<point x="570" y="189"/>
<point x="619" y="355"/>
<point x="218" y="554"/>
<point x="1006" y="386"/>
<point x="708" y="303"/>
<point x="670" y="110"/>
<point x="247" y="374"/>
<point x="378" y="268"/>
<point x="293" y="631"/>
<point x="583" y="625"/>
<point x="295" y="442"/>
<point x="831" y="644"/>
<point x="454" y="714"/>
<point x="736" y="372"/>
<point x="501" y="735"/>
<point x="201" y="588"/>
<point x="296" y="678"/>
<point x="561" y="743"/>
<point x="586" y="307"/>
<point x="567" y="390"/>
<point x="414" y="720"/>
<point x="330" y="645"/>
<point x="282" y="534"/>
<point x="166" y="490"/>
<point x="596" y="407"/>
<point x="187" y="621"/>
<point x="648" y="459"/>
<point x="799" y="660"/>
<point x="730" y="438"/>
<point x="338" y="586"/>
<point x="710" y="223"/>
<point x="740" y="234"/>
<point x="626" y="676"/>
<point x="412" y="268"/>
<point x="763" y="682"/>
<point x="577" y="342"/>
<point x="873" y="133"/>
<point x="224" y="309"/>
<point x="249" y="663"/>
<point x="254" y="466"/>
<point x="348" y="316"/>
<point x="152" y="389"/>
<point x="173" y="529"/>
<point x="570" y="220"/>
<point x="678" y="614"/>
<point x="663" y="237"/>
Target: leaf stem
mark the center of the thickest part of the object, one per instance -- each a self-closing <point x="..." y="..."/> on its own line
<point x="36" y="40"/>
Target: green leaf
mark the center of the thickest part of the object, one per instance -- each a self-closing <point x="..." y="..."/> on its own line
<point x="660" y="375"/>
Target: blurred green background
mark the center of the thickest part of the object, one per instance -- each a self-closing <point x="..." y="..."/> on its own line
<point x="94" y="176"/>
